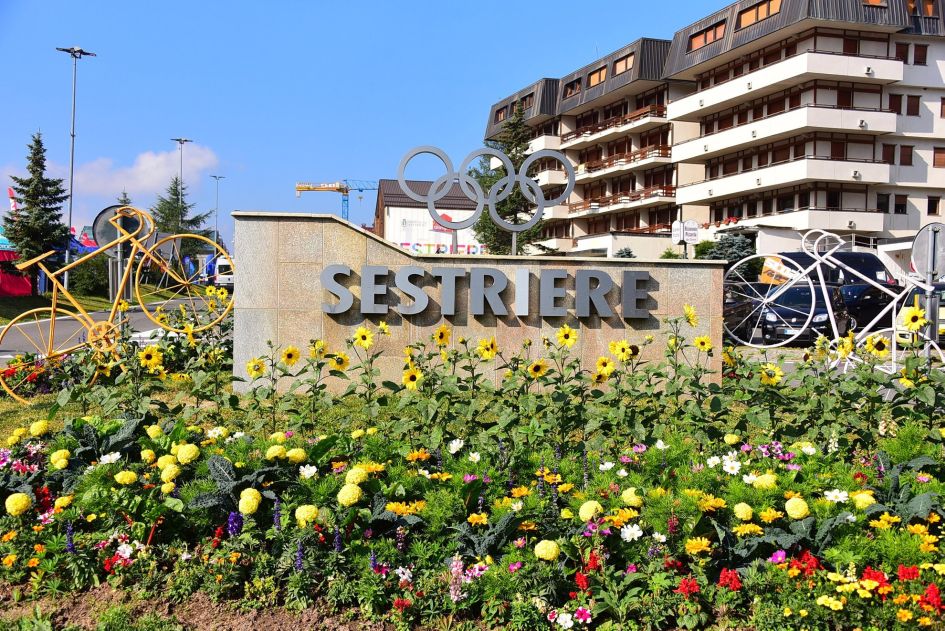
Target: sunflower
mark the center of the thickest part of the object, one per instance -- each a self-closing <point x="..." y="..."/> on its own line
<point x="412" y="378"/>
<point x="728" y="357"/>
<point x="771" y="375"/>
<point x="566" y="336"/>
<point x="151" y="357"/>
<point x="223" y="294"/>
<point x="877" y="345"/>
<point x="290" y="356"/>
<point x="383" y="328"/>
<point x="623" y="350"/>
<point x="599" y="377"/>
<point x="703" y="343"/>
<point x="317" y="349"/>
<point x="339" y="361"/>
<point x="363" y="337"/>
<point x="914" y="318"/>
<point x="487" y="348"/>
<point x="255" y="368"/>
<point x="442" y="335"/>
<point x="123" y="305"/>
<point x="537" y="368"/>
<point x="689" y="313"/>
<point x="605" y="366"/>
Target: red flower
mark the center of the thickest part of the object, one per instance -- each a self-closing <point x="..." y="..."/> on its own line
<point x="807" y="563"/>
<point x="672" y="564"/>
<point x="931" y="598"/>
<point x="581" y="581"/>
<point x="910" y="573"/>
<point x="9" y="372"/>
<point x="33" y="376"/>
<point x="729" y="578"/>
<point x="687" y="587"/>
<point x="869" y="574"/>
<point x="44" y="499"/>
<point x="859" y="477"/>
<point x="593" y="562"/>
<point x="401" y="603"/>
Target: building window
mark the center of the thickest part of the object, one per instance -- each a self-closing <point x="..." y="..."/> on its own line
<point x="938" y="157"/>
<point x="528" y="101"/>
<point x="901" y="204"/>
<point x="895" y="103"/>
<point x="501" y="114"/>
<point x="941" y="112"/>
<point x="571" y="88"/>
<point x="889" y="154"/>
<point x="902" y="52"/>
<point x="757" y="13"/>
<point x="623" y="64"/>
<point x="707" y="36"/>
<point x="905" y="156"/>
<point x="912" y="7"/>
<point x="882" y="202"/>
<point x="875" y="3"/>
<point x="933" y="205"/>
<point x="928" y="8"/>
<point x="912" y="105"/>
<point x="597" y="77"/>
<point x="921" y="55"/>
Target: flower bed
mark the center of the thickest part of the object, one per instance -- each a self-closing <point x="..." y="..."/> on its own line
<point x="629" y="494"/>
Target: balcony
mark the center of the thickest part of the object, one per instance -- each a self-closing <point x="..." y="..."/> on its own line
<point x="556" y="212"/>
<point x="544" y="142"/>
<point x="784" y="125"/>
<point x="783" y="174"/>
<point x="652" y="196"/>
<point x="832" y="219"/>
<point x="641" y="120"/>
<point x="551" y="177"/>
<point x="640" y="159"/>
<point x="805" y="66"/>
<point x="646" y="243"/>
<point x="561" y="244"/>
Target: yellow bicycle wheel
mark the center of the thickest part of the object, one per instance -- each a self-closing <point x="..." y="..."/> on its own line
<point x="174" y="288"/>
<point x="38" y="341"/>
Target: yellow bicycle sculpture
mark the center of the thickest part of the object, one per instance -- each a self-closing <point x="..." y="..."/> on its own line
<point x="168" y="265"/>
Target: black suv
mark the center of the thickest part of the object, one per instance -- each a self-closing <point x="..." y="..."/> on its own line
<point x="785" y="317"/>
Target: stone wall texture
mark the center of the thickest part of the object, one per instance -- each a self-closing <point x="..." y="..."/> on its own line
<point x="279" y="258"/>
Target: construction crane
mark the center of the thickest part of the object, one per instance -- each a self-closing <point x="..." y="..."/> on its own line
<point x="344" y="187"/>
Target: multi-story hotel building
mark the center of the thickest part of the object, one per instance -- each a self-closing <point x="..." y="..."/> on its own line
<point x="771" y="117"/>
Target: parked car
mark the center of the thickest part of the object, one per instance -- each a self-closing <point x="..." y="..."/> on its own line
<point x="917" y="297"/>
<point x="864" y="302"/>
<point x="784" y="318"/>
<point x="224" y="276"/>
<point x="866" y="263"/>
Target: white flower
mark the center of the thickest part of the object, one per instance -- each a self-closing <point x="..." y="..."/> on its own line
<point x="474" y="457"/>
<point x="455" y="445"/>
<point x="659" y="537"/>
<point x="239" y="434"/>
<point x="623" y="473"/>
<point x="732" y="467"/>
<point x="810" y="450"/>
<point x="661" y="445"/>
<point x="125" y="551"/>
<point x="631" y="532"/>
<point x="713" y="462"/>
<point x="851" y="518"/>
<point x="110" y="458"/>
<point x="404" y="574"/>
<point x="606" y="466"/>
<point x="732" y="455"/>
<point x="565" y="620"/>
<point x="424" y="472"/>
<point x="308" y="471"/>
<point x="837" y="496"/>
<point x="215" y="432"/>
<point x="186" y="556"/>
<point x="517" y="506"/>
<point x="749" y="478"/>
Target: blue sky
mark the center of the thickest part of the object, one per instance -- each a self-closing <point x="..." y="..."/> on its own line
<point x="278" y="92"/>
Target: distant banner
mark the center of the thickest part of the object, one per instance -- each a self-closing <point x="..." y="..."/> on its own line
<point x="775" y="272"/>
<point x="4" y="242"/>
<point x="443" y="248"/>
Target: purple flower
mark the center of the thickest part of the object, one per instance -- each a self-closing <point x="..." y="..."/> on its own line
<point x="337" y="540"/>
<point x="277" y="515"/>
<point x="746" y="447"/>
<point x="639" y="448"/>
<point x="778" y="557"/>
<point x="486" y="479"/>
<point x="234" y="524"/>
<point x="792" y="467"/>
<point x="625" y="459"/>
<point x="470" y="477"/>
<point x="298" y="556"/>
<point x="70" y="543"/>
<point x="5" y="455"/>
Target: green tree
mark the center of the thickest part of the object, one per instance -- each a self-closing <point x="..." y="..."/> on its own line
<point x="670" y="253"/>
<point x="123" y="199"/>
<point x="36" y="226"/>
<point x="515" y="208"/>
<point x="172" y="213"/>
<point x="625" y="253"/>
<point x="731" y="248"/>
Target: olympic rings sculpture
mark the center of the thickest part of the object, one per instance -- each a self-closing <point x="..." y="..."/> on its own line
<point x="498" y="192"/>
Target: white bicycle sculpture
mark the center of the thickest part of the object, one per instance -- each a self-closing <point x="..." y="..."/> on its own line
<point x="765" y="293"/>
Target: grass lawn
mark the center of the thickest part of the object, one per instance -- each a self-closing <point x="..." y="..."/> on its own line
<point x="12" y="307"/>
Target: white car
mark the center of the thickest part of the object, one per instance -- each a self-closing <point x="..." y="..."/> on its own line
<point x="224" y="276"/>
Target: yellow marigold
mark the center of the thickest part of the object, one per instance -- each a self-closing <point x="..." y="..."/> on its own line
<point x="765" y="481"/>
<point x="689" y="313"/>
<point x="306" y="514"/>
<point x="166" y="460"/>
<point x="168" y="487"/>
<point x="703" y="343"/>
<point x="170" y="473"/>
<point x="154" y="431"/>
<point x="621" y="516"/>
<point x="363" y="337"/>
<point x="521" y="491"/>
<point x="630" y="497"/>
<point x="296" y="455"/>
<point x="697" y="545"/>
<point x="771" y="374"/>
<point x="290" y="356"/>
<point x="187" y="453"/>
<point x="18" y="503"/>
<point x="64" y="501"/>
<point x="769" y="515"/>
<point x="349" y="495"/>
<point x="126" y="477"/>
<point x="356" y="434"/>
<point x="796" y="508"/>
<point x="744" y="530"/>
<point x="356" y="475"/>
<point x="731" y="439"/>
<point x="249" y="501"/>
<point x="478" y="519"/>
<point x="565" y="488"/>
<point x="371" y="467"/>
<point x="566" y="336"/>
<point x="605" y="366"/>
<point x="276" y="452"/>
<point x="547" y="550"/>
<point x="710" y="503"/>
<point x="39" y="428"/>
<point x="537" y="368"/>
<point x="442" y="335"/>
<point x="9" y="560"/>
<point x="148" y="456"/>
<point x="420" y="454"/>
<point x="278" y="437"/>
<point x="743" y="511"/>
<point x="862" y="499"/>
<point x="589" y="510"/>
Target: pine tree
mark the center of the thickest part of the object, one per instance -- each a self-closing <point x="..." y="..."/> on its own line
<point x="172" y="212"/>
<point x="515" y="208"/>
<point x="123" y="199"/>
<point x="36" y="226"/>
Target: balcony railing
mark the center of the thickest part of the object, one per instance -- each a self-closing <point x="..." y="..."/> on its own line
<point x="622" y="198"/>
<point x="653" y="151"/>
<point x="722" y="175"/>
<point x="619" y="121"/>
<point x="660" y="229"/>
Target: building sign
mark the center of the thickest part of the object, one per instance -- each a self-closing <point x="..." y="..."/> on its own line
<point x="443" y="248"/>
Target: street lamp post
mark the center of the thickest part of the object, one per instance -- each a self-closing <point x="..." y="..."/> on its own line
<point x="216" y="209"/>
<point x="76" y="53"/>
<point x="180" y="182"/>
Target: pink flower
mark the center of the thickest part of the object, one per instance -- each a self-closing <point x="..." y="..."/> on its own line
<point x="552" y="615"/>
<point x="520" y="543"/>
<point x="289" y="434"/>
<point x="778" y="557"/>
<point x="922" y="477"/>
<point x="515" y="567"/>
<point x="582" y="615"/>
<point x="470" y="477"/>
<point x="632" y="568"/>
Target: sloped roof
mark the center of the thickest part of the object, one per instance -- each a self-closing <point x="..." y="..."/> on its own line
<point x="389" y="191"/>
